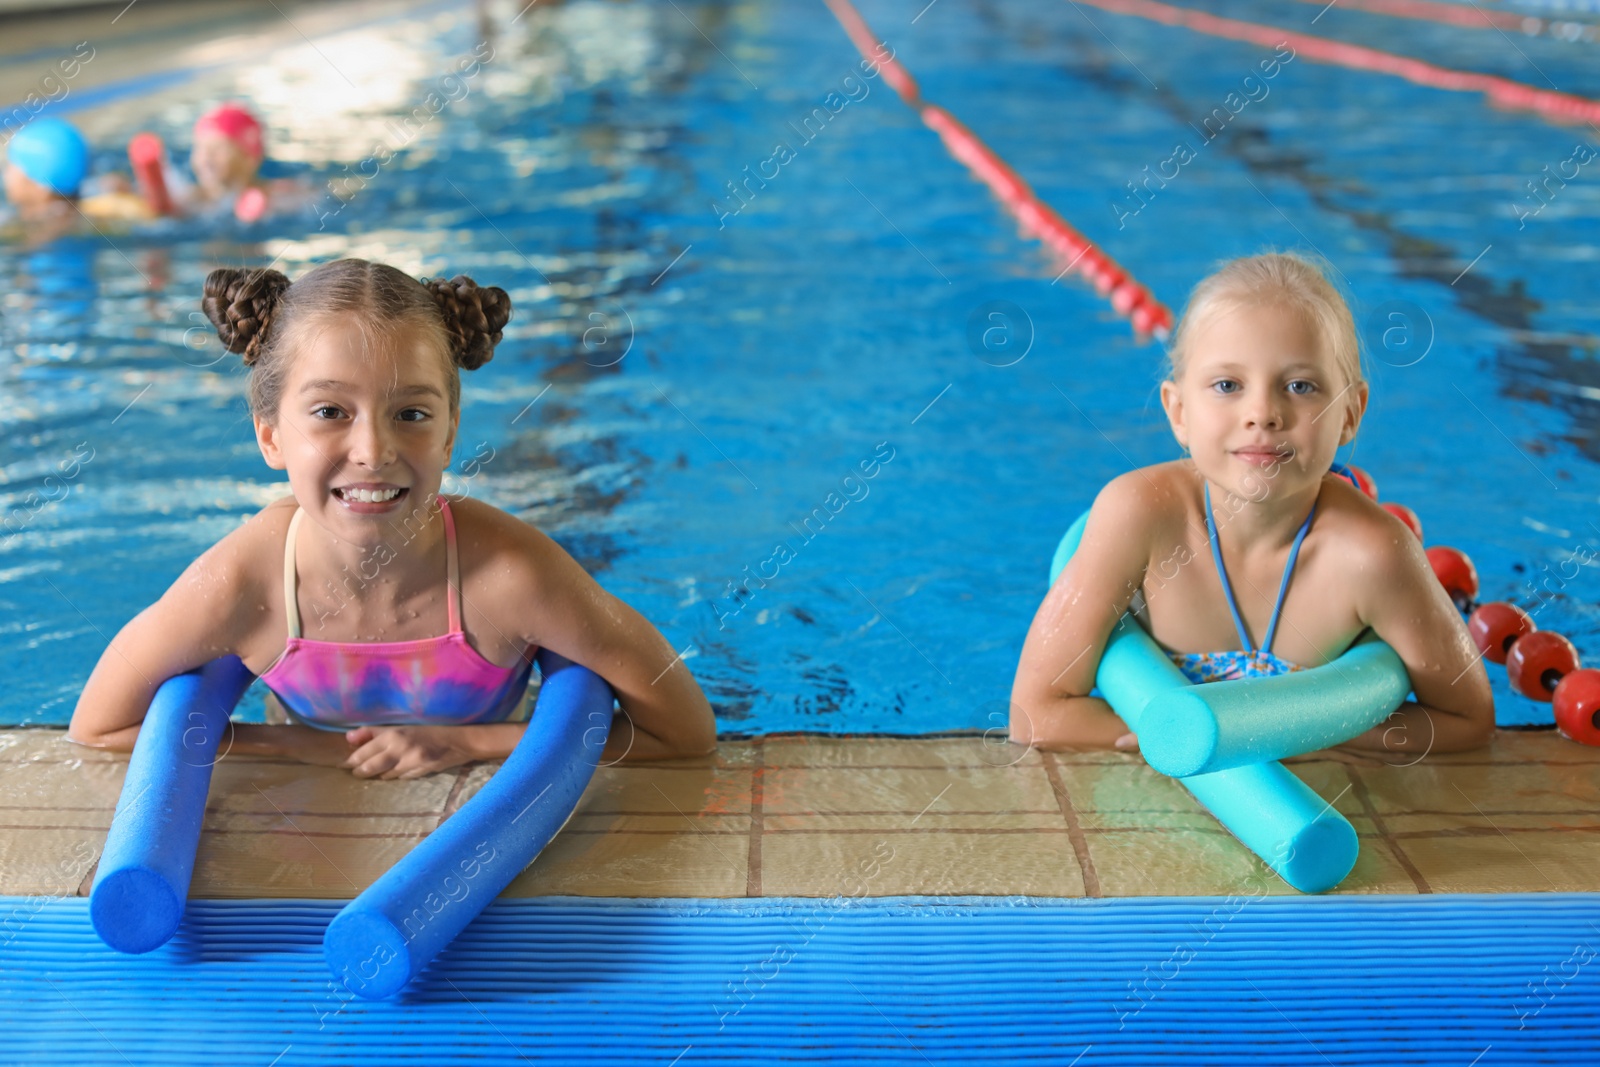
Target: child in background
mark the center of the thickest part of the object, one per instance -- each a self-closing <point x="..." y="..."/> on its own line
<point x="226" y="157"/>
<point x="227" y="152"/>
<point x="47" y="164"/>
<point x="398" y="628"/>
<point x="226" y="160"/>
<point x="1265" y="384"/>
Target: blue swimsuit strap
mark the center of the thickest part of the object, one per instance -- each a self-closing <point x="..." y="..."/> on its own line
<point x="1283" y="586"/>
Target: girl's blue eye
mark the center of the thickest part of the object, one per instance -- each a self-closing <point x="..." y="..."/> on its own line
<point x="1219" y="386"/>
<point x="1310" y="387"/>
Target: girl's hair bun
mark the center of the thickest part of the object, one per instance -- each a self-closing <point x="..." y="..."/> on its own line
<point x="240" y="304"/>
<point x="474" y="318"/>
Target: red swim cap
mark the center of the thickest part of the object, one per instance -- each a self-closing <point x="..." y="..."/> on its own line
<point x="236" y="124"/>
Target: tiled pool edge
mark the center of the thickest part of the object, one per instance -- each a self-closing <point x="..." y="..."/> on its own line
<point x="815" y="816"/>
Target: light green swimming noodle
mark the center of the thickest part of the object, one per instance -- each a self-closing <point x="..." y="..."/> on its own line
<point x="1222" y="740"/>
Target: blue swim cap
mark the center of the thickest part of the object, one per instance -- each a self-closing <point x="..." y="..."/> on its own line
<point x="52" y="153"/>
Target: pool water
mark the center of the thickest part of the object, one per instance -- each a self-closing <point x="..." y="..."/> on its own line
<point x="697" y="383"/>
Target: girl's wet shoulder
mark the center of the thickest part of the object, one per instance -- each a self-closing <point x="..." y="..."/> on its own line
<point x="1356" y="521"/>
<point x="477" y="518"/>
<point x="1165" y="494"/>
<point x="229" y="582"/>
<point x="484" y="531"/>
<point x="1157" y="484"/>
<point x="267" y="527"/>
<point x="252" y="552"/>
<point x="506" y="564"/>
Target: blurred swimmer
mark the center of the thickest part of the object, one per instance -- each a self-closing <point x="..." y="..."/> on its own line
<point x="226" y="160"/>
<point x="229" y="148"/>
<point x="46" y="173"/>
<point x="46" y="163"/>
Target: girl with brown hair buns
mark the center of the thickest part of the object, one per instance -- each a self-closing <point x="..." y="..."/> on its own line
<point x="421" y="614"/>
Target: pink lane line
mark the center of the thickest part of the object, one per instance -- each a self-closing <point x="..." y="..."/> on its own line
<point x="867" y="43"/>
<point x="1037" y="218"/>
<point x="1434" y="11"/>
<point x="1502" y="92"/>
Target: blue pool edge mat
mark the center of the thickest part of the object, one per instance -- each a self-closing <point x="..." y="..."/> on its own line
<point x="142" y="882"/>
<point x="1252" y="977"/>
<point x="381" y="940"/>
<point x="1274" y="814"/>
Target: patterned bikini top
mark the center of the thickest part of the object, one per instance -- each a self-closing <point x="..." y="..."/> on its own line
<point x="337" y="685"/>
<point x="1202" y="667"/>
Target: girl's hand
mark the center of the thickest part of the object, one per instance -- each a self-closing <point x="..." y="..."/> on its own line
<point x="404" y="751"/>
<point x="1127" y="743"/>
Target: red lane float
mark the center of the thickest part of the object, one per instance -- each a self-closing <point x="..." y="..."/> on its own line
<point x="1495" y="626"/>
<point x="1577" y="706"/>
<point x="1502" y="92"/>
<point x="1455" y="572"/>
<point x="1536" y="663"/>
<point x="1036" y="218"/>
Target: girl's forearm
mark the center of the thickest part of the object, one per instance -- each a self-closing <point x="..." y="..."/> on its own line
<point x="494" y="741"/>
<point x="247" y="739"/>
<point x="1065" y="723"/>
<point x="629" y="742"/>
<point x="116" y="741"/>
<point x="1416" y="730"/>
<point x="678" y="719"/>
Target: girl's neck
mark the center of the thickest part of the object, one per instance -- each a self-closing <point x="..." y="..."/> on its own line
<point x="406" y="561"/>
<point x="1269" y="525"/>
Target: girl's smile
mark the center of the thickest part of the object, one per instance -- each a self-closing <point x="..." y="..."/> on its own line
<point x="370" y="498"/>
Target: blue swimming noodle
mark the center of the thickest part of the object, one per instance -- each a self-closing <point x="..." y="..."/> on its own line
<point x="1273" y="813"/>
<point x="142" y="882"/>
<point x="388" y="934"/>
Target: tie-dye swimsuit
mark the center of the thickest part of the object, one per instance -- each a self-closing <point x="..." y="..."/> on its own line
<point x="1202" y="667"/>
<point x="443" y="680"/>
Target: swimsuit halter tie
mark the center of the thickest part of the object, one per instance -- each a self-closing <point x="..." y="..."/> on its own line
<point x="1283" y="586"/>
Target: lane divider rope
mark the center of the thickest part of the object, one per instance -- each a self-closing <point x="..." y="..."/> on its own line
<point x="1501" y="92"/>
<point x="1474" y="18"/>
<point x="1038" y="219"/>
